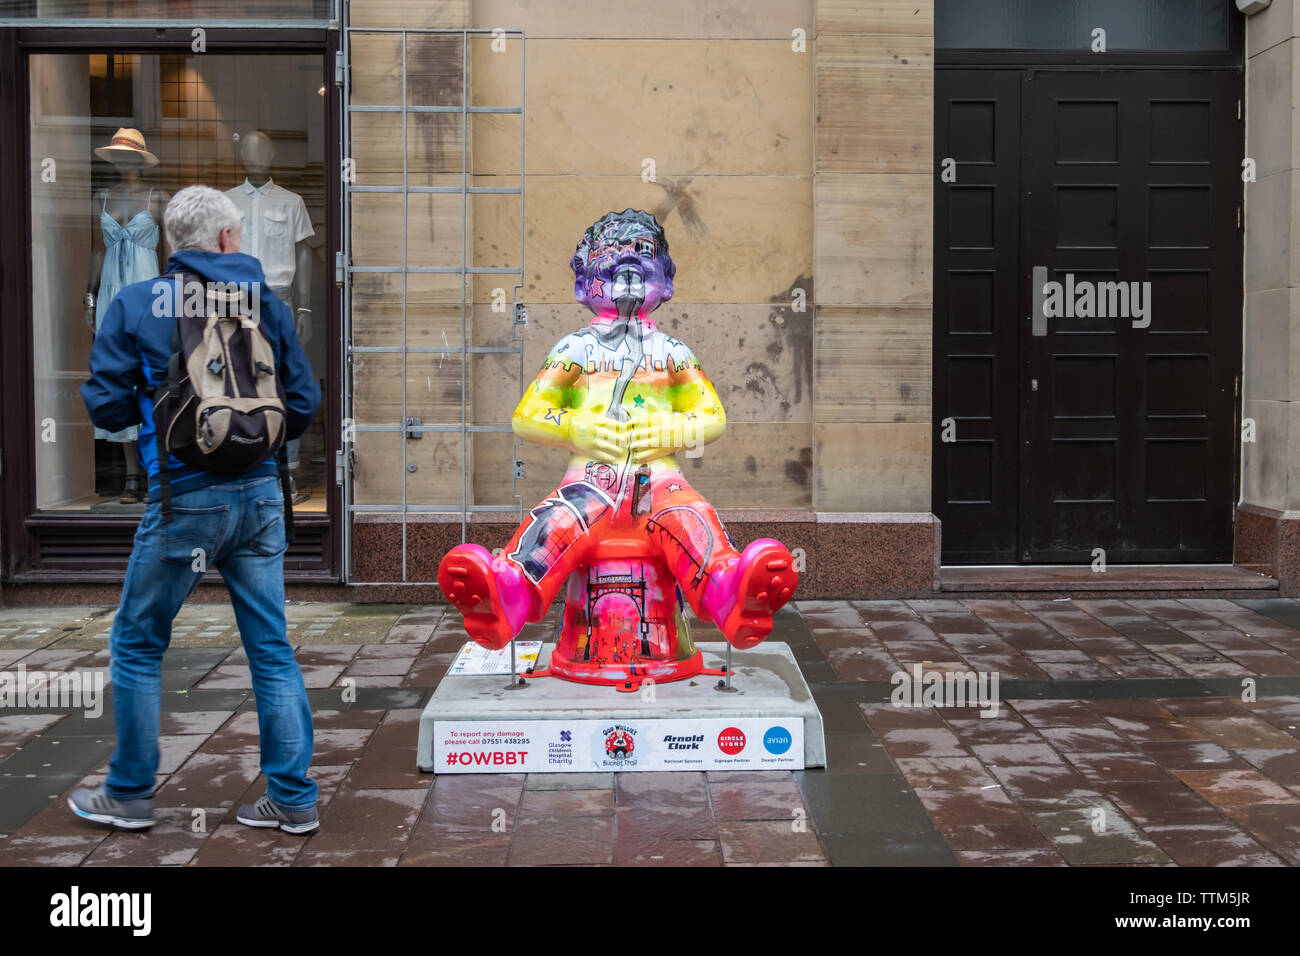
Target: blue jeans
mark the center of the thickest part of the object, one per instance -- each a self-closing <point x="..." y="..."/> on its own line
<point x="237" y="527"/>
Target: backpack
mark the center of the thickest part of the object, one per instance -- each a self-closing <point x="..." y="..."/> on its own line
<point x="220" y="406"/>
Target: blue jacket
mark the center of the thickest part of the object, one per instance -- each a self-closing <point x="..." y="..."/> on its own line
<point x="133" y="347"/>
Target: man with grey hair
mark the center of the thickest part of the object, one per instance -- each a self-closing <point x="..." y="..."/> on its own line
<point x="235" y="525"/>
<point x="197" y="216"/>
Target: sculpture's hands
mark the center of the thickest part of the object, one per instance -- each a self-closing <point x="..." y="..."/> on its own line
<point x="656" y="435"/>
<point x="601" y="438"/>
<point x="694" y="419"/>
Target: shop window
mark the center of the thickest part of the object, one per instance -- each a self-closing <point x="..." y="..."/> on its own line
<point x="188" y="10"/>
<point x="113" y="137"/>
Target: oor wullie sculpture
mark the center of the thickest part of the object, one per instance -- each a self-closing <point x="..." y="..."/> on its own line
<point x="624" y="529"/>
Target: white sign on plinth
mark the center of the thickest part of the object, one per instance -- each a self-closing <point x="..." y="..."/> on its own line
<point x="476" y="661"/>
<point x="618" y="744"/>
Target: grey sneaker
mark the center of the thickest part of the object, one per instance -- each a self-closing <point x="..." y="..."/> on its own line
<point x="97" y="806"/>
<point x="265" y="813"/>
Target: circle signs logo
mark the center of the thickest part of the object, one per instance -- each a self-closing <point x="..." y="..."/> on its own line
<point x="777" y="740"/>
<point x="731" y="741"/>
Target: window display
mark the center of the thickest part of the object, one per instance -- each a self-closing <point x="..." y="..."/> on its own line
<point x="127" y="251"/>
<point x="292" y="10"/>
<point x="115" y="135"/>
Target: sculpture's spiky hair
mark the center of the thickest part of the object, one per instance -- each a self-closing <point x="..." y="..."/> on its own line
<point x="623" y="225"/>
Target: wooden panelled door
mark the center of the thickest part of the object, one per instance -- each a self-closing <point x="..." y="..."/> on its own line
<point x="1102" y="414"/>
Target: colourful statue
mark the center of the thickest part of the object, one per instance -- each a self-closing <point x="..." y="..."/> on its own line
<point x="624" y="530"/>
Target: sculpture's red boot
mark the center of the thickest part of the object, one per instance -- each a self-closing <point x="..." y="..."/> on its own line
<point x="757" y="586"/>
<point x="490" y="592"/>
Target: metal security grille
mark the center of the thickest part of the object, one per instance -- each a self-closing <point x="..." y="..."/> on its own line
<point x="401" y="353"/>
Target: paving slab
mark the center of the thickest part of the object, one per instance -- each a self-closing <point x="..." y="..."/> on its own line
<point x="1123" y="740"/>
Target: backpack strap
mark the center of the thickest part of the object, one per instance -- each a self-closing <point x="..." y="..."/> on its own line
<point x="169" y="382"/>
<point x="164" y="481"/>
<point x="283" y="459"/>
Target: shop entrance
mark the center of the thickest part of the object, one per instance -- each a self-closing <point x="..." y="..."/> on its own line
<point x="1088" y="299"/>
<point x="1103" y="414"/>
<point x="103" y="126"/>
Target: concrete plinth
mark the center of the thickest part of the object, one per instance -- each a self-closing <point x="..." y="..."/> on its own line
<point x="671" y="726"/>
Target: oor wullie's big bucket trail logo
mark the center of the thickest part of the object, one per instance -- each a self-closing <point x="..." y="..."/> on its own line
<point x="617" y="746"/>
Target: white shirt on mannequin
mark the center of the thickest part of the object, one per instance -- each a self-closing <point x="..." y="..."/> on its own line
<point x="275" y="220"/>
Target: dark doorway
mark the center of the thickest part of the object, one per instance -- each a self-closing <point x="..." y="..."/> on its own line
<point x="1110" y="422"/>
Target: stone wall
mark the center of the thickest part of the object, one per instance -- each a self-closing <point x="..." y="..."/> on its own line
<point x="873" y="256"/>
<point x="1268" y="520"/>
<point x="791" y="147"/>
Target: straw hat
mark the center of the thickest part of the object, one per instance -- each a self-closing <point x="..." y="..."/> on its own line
<point x="127" y="141"/>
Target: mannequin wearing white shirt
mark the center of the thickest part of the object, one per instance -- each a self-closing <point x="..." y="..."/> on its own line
<point x="275" y="231"/>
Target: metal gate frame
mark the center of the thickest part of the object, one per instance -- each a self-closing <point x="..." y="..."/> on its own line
<point x="344" y="270"/>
